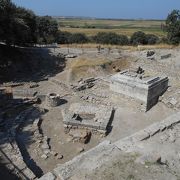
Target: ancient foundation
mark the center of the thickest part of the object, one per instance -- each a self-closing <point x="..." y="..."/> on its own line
<point x="105" y="151"/>
<point x="24" y="93"/>
<point x="52" y="100"/>
<point x="145" y="89"/>
<point x="88" y="116"/>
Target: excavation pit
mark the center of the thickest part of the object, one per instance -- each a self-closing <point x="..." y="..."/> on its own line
<point x="80" y="117"/>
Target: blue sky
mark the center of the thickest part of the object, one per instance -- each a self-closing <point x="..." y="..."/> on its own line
<point x="135" y="9"/>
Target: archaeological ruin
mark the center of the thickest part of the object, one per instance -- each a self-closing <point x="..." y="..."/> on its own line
<point x="87" y="116"/>
<point x="53" y="99"/>
<point x="144" y="88"/>
<point x="78" y="120"/>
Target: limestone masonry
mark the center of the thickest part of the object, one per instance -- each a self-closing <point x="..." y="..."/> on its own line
<point x="88" y="116"/>
<point x="145" y="89"/>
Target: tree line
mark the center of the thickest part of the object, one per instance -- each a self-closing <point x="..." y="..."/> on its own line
<point x="172" y="27"/>
<point x="107" y="38"/>
<point x="19" y="26"/>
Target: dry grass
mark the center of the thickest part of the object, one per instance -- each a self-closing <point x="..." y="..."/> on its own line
<point x="126" y="27"/>
<point x="83" y="62"/>
<point x="106" y="22"/>
<point x="131" y="48"/>
<point x="83" y="67"/>
<point x="124" y="31"/>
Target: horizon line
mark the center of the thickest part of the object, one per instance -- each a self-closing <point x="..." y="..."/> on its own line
<point x="102" y="18"/>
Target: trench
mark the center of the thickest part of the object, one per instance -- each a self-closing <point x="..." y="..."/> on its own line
<point x="30" y="163"/>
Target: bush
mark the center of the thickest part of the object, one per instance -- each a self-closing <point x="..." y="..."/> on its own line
<point x="63" y="37"/>
<point x="138" y="38"/>
<point x="123" y="40"/>
<point x="110" y="38"/>
<point x="78" y="38"/>
<point x="142" y="38"/>
<point x="164" y="40"/>
<point x="151" y="39"/>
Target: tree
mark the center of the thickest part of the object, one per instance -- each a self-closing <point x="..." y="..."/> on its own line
<point x="173" y="27"/>
<point x="17" y="25"/>
<point x="30" y="24"/>
<point x="47" y="29"/>
<point x="7" y="20"/>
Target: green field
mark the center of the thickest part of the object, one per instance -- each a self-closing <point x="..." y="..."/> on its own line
<point x="126" y="27"/>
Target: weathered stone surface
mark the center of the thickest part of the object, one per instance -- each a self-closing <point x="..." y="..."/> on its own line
<point x="33" y="85"/>
<point x="68" y="169"/>
<point x="48" y="176"/>
<point x="59" y="156"/>
<point x="88" y="116"/>
<point x="24" y="93"/>
<point x="84" y="84"/>
<point x="45" y="146"/>
<point x="53" y="100"/>
<point x="71" y="56"/>
<point x="149" y="158"/>
<point x="145" y="89"/>
<point x="29" y="173"/>
<point x="81" y="149"/>
<point x="166" y="56"/>
<point x="173" y="101"/>
<point x="150" y="53"/>
<point x="80" y="135"/>
<point x="44" y="156"/>
<point x="95" y="157"/>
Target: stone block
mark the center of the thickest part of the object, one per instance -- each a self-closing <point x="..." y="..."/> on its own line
<point x="87" y="116"/>
<point x="48" y="176"/>
<point x="145" y="89"/>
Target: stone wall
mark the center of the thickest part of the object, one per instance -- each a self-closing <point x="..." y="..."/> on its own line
<point x="146" y="90"/>
<point x="103" y="153"/>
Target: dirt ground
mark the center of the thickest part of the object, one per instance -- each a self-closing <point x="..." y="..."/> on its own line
<point x="128" y="117"/>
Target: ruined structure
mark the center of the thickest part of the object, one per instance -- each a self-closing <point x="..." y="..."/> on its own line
<point x="52" y="100"/>
<point x="87" y="116"/>
<point x="134" y="84"/>
<point x="24" y="93"/>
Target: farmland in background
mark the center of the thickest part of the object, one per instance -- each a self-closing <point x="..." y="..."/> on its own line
<point x="127" y="27"/>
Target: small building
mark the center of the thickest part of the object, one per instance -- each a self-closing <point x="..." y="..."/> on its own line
<point x="134" y="84"/>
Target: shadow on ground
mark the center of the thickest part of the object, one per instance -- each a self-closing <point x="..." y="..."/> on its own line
<point x="28" y="64"/>
<point x="5" y="173"/>
<point x="26" y="113"/>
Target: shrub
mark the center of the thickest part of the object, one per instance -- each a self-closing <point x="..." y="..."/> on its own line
<point x="78" y="38"/>
<point x="138" y="38"/>
<point x="63" y="37"/>
<point x="123" y="40"/>
<point x="151" y="39"/>
<point x="110" y="38"/>
<point x="164" y="40"/>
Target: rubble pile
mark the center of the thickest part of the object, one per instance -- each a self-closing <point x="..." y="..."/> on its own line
<point x="84" y="84"/>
